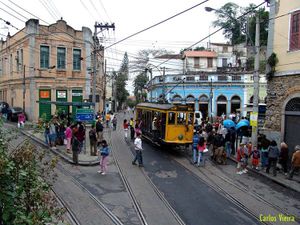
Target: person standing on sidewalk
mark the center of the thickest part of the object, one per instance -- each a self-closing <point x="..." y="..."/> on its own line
<point x="114" y="122"/>
<point x="93" y="141"/>
<point x="200" y="147"/>
<point x="99" y="129"/>
<point x="68" y="135"/>
<point x="295" y="161"/>
<point x="80" y="135"/>
<point x="125" y="126"/>
<point x="273" y="153"/>
<point x="104" y="153"/>
<point x="131" y="124"/>
<point x="284" y="157"/>
<point x="75" y="145"/>
<point x="138" y="150"/>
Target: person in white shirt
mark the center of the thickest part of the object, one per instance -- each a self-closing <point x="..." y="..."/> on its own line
<point x="138" y="150"/>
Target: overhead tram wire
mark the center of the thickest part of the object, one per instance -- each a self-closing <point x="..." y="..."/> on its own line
<point x="49" y="11"/>
<point x="9" y="24"/>
<point x="102" y="5"/>
<point x="55" y="8"/>
<point x="216" y="31"/>
<point x="14" y="10"/>
<point x="97" y="13"/>
<point x="11" y="15"/>
<point x="156" y="24"/>
<point x="85" y="7"/>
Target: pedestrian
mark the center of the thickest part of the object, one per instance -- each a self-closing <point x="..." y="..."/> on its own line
<point x="228" y="144"/>
<point x="75" y="145"/>
<point x="68" y="136"/>
<point x="195" y="144"/>
<point x="99" y="129"/>
<point x="125" y="126"/>
<point x="21" y="120"/>
<point x="255" y="158"/>
<point x="114" y="122"/>
<point x="107" y="118"/>
<point x="295" y="161"/>
<point x="52" y="134"/>
<point x="131" y="124"/>
<point x="138" y="151"/>
<point x="241" y="159"/>
<point x="80" y="135"/>
<point x="93" y="141"/>
<point x="284" y="157"/>
<point x="273" y="154"/>
<point x="5" y="112"/>
<point x="200" y="147"/>
<point x="104" y="153"/>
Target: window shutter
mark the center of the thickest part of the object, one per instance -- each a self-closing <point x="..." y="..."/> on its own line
<point x="295" y="31"/>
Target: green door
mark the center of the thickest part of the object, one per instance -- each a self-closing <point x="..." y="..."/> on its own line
<point x="61" y="96"/>
<point x="45" y="109"/>
<point x="76" y="97"/>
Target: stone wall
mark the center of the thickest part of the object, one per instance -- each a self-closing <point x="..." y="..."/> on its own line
<point x="278" y="90"/>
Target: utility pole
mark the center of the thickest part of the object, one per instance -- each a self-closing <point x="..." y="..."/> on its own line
<point x="104" y="89"/>
<point x="96" y="49"/>
<point x="211" y="100"/>
<point x="24" y="88"/>
<point x="256" y="82"/>
<point x="164" y="85"/>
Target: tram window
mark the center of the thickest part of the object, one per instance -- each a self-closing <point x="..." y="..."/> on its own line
<point x="191" y="118"/>
<point x="181" y="118"/>
<point x="171" y="119"/>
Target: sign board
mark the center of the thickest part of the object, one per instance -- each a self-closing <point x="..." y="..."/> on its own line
<point x="44" y="94"/>
<point x="253" y="119"/>
<point x="84" y="115"/>
<point x="77" y="94"/>
<point x="61" y="94"/>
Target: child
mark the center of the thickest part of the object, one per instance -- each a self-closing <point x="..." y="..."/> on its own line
<point x="255" y="158"/>
<point x="104" y="152"/>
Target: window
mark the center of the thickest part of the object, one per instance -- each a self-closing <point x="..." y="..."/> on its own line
<point x="196" y="62"/>
<point x="190" y="78"/>
<point x="209" y="62"/>
<point x="171" y="118"/>
<point x="295" y="31"/>
<point x="181" y="118"/>
<point x="17" y="61"/>
<point x="224" y="62"/>
<point x="76" y="59"/>
<point x="191" y="118"/>
<point x="11" y="64"/>
<point x="225" y="48"/>
<point x="44" y="57"/>
<point x="61" y="58"/>
<point x="21" y="59"/>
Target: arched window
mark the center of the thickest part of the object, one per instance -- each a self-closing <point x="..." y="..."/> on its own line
<point x="203" y="105"/>
<point x="235" y="103"/>
<point x="203" y="99"/>
<point x="221" y="105"/>
<point x="293" y="105"/>
<point x="190" y="98"/>
<point x="177" y="98"/>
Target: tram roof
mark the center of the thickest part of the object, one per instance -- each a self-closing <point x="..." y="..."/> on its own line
<point x="155" y="105"/>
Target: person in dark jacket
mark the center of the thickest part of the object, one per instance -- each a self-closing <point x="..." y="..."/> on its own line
<point x="195" y="150"/>
<point x="273" y="154"/>
<point x="284" y="157"/>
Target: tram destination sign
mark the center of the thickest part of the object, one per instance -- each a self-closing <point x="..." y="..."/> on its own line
<point x="84" y="115"/>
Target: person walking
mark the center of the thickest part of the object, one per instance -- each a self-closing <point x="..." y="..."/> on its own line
<point x="107" y="118"/>
<point x="138" y="150"/>
<point x="284" y="157"/>
<point x="68" y="135"/>
<point x="273" y="153"/>
<point x="104" y="153"/>
<point x="21" y="120"/>
<point x="52" y="134"/>
<point x="228" y="144"/>
<point x="125" y="127"/>
<point x="80" y="135"/>
<point x="200" y="147"/>
<point x="47" y="134"/>
<point x="195" y="144"/>
<point x="114" y="122"/>
<point x="131" y="124"/>
<point x="75" y="145"/>
<point x="99" y="129"/>
<point x="93" y="141"/>
<point x="295" y="162"/>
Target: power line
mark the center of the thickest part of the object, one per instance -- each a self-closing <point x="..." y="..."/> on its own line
<point x="12" y="15"/>
<point x="156" y="24"/>
<point x="9" y="24"/>
<point x="14" y="10"/>
<point x="49" y="11"/>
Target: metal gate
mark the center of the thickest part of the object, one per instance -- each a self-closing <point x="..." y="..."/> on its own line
<point x="292" y="124"/>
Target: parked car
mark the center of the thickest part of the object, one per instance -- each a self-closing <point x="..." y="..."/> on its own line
<point x="13" y="113"/>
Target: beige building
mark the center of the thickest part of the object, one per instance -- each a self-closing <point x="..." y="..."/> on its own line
<point x="283" y="93"/>
<point x="49" y="63"/>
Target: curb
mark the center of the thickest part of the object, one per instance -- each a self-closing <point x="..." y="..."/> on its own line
<point x="270" y="178"/>
<point x="61" y="155"/>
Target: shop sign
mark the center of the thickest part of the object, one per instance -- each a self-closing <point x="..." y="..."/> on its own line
<point x="44" y="94"/>
<point x="61" y="94"/>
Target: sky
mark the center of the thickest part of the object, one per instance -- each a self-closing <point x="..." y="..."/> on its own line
<point x="129" y="16"/>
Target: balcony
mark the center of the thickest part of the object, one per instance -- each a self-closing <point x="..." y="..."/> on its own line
<point x="226" y="69"/>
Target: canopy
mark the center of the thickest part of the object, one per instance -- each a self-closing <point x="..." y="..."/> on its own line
<point x="242" y="123"/>
<point x="228" y="123"/>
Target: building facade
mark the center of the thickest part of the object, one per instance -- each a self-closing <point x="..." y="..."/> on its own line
<point x="48" y="63"/>
<point x="283" y="92"/>
<point x="213" y="86"/>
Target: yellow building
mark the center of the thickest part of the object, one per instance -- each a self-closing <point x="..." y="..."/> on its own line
<point x="52" y="63"/>
<point x="283" y="94"/>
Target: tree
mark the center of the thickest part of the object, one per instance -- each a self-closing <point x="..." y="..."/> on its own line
<point x="199" y="48"/>
<point x="121" y="79"/>
<point x="139" y="84"/>
<point x="237" y="30"/>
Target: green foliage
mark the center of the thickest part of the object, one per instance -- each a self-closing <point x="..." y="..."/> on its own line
<point x="236" y="30"/>
<point x="131" y="103"/>
<point x="25" y="196"/>
<point x="121" y="79"/>
<point x="199" y="48"/>
<point x="272" y="62"/>
<point x="139" y="84"/>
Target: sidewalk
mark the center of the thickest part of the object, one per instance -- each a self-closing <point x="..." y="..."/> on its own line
<point x="85" y="159"/>
<point x="280" y="179"/>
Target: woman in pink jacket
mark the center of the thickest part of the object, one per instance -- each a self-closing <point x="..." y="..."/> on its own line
<point x="201" y="147"/>
<point x="68" y="136"/>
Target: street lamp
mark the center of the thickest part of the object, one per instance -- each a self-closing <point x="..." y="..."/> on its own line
<point x="211" y="95"/>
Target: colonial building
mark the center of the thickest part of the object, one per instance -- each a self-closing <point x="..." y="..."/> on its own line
<point x="215" y="81"/>
<point x="48" y="63"/>
<point x="283" y="93"/>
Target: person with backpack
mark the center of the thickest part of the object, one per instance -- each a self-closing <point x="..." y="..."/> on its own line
<point x="99" y="129"/>
<point x="273" y="154"/>
<point x="93" y="141"/>
<point x="104" y="153"/>
<point x="195" y="144"/>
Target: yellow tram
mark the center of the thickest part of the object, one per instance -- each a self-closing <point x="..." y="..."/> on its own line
<point x="166" y="124"/>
